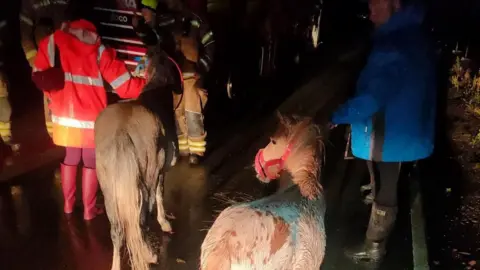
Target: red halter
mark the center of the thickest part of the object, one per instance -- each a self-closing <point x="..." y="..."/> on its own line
<point x="271" y="169"/>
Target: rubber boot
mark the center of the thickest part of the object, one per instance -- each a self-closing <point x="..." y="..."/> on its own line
<point x="197" y="147"/>
<point x="69" y="179"/>
<point x="382" y="220"/>
<point x="196" y="136"/>
<point x="90" y="188"/>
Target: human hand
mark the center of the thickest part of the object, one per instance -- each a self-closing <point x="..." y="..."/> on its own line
<point x="331" y="125"/>
<point x="135" y="21"/>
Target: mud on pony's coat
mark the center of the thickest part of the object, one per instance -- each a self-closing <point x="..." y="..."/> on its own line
<point x="276" y="232"/>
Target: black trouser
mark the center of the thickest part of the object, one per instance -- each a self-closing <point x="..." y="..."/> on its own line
<point x="385" y="176"/>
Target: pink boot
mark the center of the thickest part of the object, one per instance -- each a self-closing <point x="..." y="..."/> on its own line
<point x="90" y="187"/>
<point x="69" y="179"/>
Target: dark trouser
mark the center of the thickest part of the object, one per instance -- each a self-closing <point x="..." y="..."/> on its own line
<point x="75" y="155"/>
<point x="385" y="176"/>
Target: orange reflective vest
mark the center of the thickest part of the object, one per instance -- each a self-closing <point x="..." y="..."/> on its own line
<point x="86" y="63"/>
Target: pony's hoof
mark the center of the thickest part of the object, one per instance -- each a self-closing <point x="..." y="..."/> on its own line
<point x="368" y="199"/>
<point x="194" y="159"/>
<point x="174" y="161"/>
<point x="152" y="259"/>
<point x="366" y="188"/>
<point x="166" y="227"/>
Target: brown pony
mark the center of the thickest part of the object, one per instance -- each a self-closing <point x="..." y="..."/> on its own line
<point x="132" y="142"/>
<point x="284" y="231"/>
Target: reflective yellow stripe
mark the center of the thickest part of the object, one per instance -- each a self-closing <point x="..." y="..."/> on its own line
<point x="26" y="20"/>
<point x="197" y="149"/>
<point x="79" y="79"/>
<point x="182" y="141"/>
<point x="195" y="23"/>
<point x="30" y="54"/>
<point x="71" y="122"/>
<point x="120" y="80"/>
<point x="5" y="132"/>
<point x="207" y="37"/>
<point x="4" y="125"/>
<point x="51" y="51"/>
<point x="197" y="143"/>
<point x="183" y="147"/>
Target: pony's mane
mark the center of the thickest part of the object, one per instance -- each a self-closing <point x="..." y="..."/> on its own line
<point x="302" y="129"/>
<point x="161" y="69"/>
<point x="308" y="152"/>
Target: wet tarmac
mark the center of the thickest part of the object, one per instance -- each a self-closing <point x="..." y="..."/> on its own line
<point x="35" y="234"/>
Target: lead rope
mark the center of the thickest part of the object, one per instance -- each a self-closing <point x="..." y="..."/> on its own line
<point x="181" y="81"/>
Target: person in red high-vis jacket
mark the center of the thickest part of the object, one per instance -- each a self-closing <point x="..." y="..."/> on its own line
<point x="70" y="67"/>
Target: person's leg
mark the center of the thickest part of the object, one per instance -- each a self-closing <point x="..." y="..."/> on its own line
<point x="370" y="197"/>
<point x="68" y="170"/>
<point x="89" y="185"/>
<point x="383" y="214"/>
<point x="389" y="174"/>
<point x="195" y="100"/>
<point x="181" y="123"/>
<point x="5" y="110"/>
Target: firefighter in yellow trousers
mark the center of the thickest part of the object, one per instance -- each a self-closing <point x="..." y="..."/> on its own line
<point x="5" y="109"/>
<point x="39" y="19"/>
<point x="193" y="50"/>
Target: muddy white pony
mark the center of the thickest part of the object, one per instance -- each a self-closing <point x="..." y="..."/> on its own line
<point x="284" y="231"/>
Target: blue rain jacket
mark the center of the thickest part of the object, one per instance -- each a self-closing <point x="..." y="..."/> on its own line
<point x="392" y="114"/>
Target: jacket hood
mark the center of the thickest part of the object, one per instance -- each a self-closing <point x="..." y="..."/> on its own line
<point x="411" y="15"/>
<point x="79" y="37"/>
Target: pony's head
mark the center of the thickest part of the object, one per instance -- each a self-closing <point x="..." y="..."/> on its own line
<point x="294" y="144"/>
<point x="160" y="68"/>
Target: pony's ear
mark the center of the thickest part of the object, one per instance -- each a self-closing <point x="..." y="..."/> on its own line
<point x="281" y="118"/>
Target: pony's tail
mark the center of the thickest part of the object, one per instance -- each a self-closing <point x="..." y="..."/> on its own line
<point x="128" y="202"/>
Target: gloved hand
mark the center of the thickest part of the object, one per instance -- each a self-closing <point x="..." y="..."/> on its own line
<point x="331" y="125"/>
<point x="52" y="79"/>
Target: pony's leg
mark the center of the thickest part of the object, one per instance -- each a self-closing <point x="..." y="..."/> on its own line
<point x="116" y="233"/>
<point x="166" y="227"/>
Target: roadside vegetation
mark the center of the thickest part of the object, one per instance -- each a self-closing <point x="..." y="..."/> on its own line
<point x="464" y="131"/>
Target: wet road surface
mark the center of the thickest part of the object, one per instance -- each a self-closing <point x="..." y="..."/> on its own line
<point x="35" y="234"/>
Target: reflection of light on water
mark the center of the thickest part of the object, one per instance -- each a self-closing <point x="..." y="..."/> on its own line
<point x="57" y="178"/>
<point x="21" y="209"/>
<point x="16" y="191"/>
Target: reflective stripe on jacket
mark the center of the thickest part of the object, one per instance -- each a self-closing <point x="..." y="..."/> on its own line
<point x="86" y="64"/>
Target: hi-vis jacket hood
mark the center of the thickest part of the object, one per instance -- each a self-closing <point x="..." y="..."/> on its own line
<point x="86" y="64"/>
<point x="78" y="37"/>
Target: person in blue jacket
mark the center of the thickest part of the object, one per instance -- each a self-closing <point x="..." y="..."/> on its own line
<point x="392" y="113"/>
